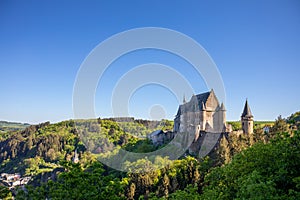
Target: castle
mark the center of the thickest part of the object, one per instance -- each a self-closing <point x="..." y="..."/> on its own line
<point x="204" y="113"/>
<point x="204" y="118"/>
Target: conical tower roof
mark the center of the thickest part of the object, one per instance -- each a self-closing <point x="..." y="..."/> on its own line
<point x="247" y="111"/>
<point x="184" y="101"/>
<point x="222" y="106"/>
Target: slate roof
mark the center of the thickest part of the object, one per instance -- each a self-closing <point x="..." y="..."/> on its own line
<point x="202" y="98"/>
<point x="155" y="133"/>
<point x="222" y="106"/>
<point x="247" y="111"/>
<point x="179" y="111"/>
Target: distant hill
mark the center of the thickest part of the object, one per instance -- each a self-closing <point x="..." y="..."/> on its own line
<point x="13" y="124"/>
<point x="8" y="127"/>
<point x="236" y="125"/>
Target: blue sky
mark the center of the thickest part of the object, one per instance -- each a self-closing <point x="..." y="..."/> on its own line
<point x="255" y="44"/>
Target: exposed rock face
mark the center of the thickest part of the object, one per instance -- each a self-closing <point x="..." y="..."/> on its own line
<point x="205" y="143"/>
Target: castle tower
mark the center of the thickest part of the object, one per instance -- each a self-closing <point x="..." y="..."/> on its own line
<point x="76" y="159"/>
<point x="223" y="113"/>
<point x="247" y="119"/>
<point x="222" y="117"/>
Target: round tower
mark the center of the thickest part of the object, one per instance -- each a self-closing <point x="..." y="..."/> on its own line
<point x="223" y="117"/>
<point x="247" y="119"/>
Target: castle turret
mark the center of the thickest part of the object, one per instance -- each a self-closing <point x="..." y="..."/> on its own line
<point x="220" y="119"/>
<point x="247" y="119"/>
<point x="223" y="116"/>
<point x="76" y="159"/>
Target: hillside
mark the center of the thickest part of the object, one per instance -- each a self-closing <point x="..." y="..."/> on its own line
<point x="53" y="143"/>
<point x="45" y="152"/>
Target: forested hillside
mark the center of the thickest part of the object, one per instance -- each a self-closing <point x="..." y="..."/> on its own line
<point x="264" y="165"/>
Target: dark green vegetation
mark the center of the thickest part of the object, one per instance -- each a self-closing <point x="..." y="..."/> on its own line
<point x="294" y="120"/>
<point x="41" y="147"/>
<point x="264" y="165"/>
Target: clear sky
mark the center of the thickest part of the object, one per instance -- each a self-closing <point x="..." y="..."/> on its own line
<point x="255" y="44"/>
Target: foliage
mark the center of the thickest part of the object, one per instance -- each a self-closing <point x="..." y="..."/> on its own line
<point x="160" y="182"/>
<point x="294" y="118"/>
<point x="141" y="146"/>
<point x="262" y="165"/>
<point x="5" y="194"/>
<point x="141" y="128"/>
<point x="77" y="183"/>
<point x="41" y="149"/>
<point x="37" y="165"/>
<point x="264" y="171"/>
<point x="236" y="125"/>
<point x="52" y="142"/>
<point x="280" y="126"/>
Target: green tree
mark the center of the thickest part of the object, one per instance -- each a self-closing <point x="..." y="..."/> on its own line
<point x="5" y="194"/>
<point x="273" y="167"/>
<point x="280" y="126"/>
